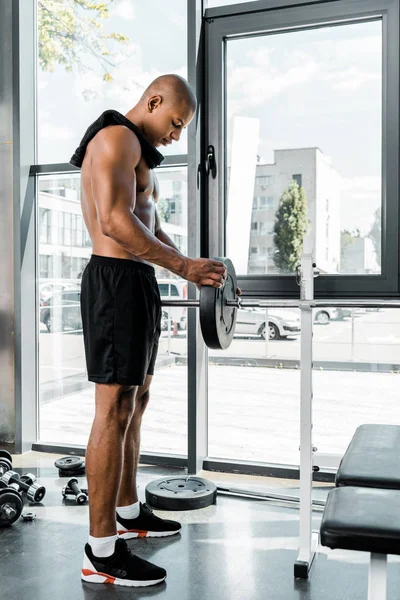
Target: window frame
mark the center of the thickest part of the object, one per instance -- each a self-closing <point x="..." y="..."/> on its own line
<point x="221" y="28"/>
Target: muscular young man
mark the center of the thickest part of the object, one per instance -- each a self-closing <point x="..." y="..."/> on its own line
<point x="121" y="313"/>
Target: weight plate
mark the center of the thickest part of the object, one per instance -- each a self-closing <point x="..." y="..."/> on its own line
<point x="181" y="493"/>
<point x="217" y="320"/>
<point x="5" y="465"/>
<point x="69" y="463"/>
<point x="10" y="507"/>
<point x="5" y="454"/>
<point x="74" y="473"/>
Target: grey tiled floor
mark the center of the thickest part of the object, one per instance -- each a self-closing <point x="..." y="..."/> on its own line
<point x="236" y="550"/>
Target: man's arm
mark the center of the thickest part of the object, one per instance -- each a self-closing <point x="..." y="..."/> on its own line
<point x="161" y="235"/>
<point x="114" y="159"/>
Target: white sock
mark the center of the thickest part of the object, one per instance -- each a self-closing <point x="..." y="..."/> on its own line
<point x="104" y="546"/>
<point x="129" y="512"/>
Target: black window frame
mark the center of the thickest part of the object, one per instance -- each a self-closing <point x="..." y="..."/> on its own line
<point x="271" y="16"/>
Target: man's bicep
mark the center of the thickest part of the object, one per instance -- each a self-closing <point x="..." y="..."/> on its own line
<point x="113" y="187"/>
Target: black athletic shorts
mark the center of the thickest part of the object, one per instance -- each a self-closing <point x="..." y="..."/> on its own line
<point x="121" y="317"/>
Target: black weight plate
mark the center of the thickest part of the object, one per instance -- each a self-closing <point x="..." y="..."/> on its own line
<point x="74" y="473"/>
<point x="5" y="454"/>
<point x="181" y="493"/>
<point x="217" y="320"/>
<point x="5" y="465"/>
<point x="69" y="463"/>
<point x="10" y="499"/>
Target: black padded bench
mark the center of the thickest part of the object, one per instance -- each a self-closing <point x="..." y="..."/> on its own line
<point x="356" y="518"/>
<point x="372" y="458"/>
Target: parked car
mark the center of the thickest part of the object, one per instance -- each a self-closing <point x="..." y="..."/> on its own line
<point x="281" y="324"/>
<point x="61" y="310"/>
<point x="48" y="287"/>
<point x="172" y="289"/>
<point x="324" y="315"/>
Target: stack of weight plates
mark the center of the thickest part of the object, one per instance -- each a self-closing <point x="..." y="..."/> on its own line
<point x="70" y="466"/>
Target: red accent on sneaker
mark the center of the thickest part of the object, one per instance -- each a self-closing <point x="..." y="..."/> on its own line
<point x="109" y="579"/>
<point x="141" y="534"/>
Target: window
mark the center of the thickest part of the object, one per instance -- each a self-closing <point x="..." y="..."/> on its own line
<point x="254" y="250"/>
<point x="313" y="154"/>
<point x="297" y="179"/>
<point x="78" y="80"/>
<point x="174" y="290"/>
<point x="163" y="287"/>
<point x="264" y="181"/>
<point x="61" y="355"/>
<point x="45" y="264"/>
<point x="254" y="226"/>
<point x="44" y="225"/>
<point x="263" y="202"/>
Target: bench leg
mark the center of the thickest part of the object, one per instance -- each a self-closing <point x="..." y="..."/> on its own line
<point x="377" y="581"/>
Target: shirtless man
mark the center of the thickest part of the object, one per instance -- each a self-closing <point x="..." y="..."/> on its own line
<point x="121" y="313"/>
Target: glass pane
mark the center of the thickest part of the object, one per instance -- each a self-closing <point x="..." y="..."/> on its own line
<point x="255" y="380"/>
<point x="90" y="60"/>
<point x="307" y="106"/>
<point x="355" y="380"/>
<point x="66" y="397"/>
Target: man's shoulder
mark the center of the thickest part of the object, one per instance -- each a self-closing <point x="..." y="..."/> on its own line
<point x="117" y="140"/>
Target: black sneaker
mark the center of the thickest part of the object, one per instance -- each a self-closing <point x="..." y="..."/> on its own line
<point x="121" y="568"/>
<point x="146" y="525"/>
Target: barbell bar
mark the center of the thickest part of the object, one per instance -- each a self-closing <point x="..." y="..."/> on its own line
<point x="219" y="306"/>
<point x="238" y="303"/>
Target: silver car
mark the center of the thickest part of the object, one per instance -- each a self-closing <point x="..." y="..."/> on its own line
<point x="281" y="324"/>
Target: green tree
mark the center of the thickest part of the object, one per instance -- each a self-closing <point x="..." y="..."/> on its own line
<point x="71" y="34"/>
<point x="163" y="210"/>
<point x="376" y="233"/>
<point x="290" y="228"/>
<point x="347" y="239"/>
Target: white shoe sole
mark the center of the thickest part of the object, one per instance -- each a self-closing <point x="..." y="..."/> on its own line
<point x="129" y="535"/>
<point x="95" y="577"/>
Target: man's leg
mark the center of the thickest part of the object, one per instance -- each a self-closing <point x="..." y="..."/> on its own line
<point x="128" y="487"/>
<point x="135" y="520"/>
<point x="107" y="559"/>
<point x="104" y="455"/>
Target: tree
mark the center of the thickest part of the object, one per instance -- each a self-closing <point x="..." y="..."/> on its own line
<point x="163" y="210"/>
<point x="290" y="228"/>
<point x="347" y="239"/>
<point x="376" y="233"/>
<point x="71" y="34"/>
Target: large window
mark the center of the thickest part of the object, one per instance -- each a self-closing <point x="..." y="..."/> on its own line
<point x="97" y="56"/>
<point x="66" y="397"/>
<point x="309" y="105"/>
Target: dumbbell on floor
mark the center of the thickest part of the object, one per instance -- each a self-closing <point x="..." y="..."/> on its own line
<point x="5" y="462"/>
<point x="72" y="489"/>
<point x="26" y="483"/>
<point x="11" y="504"/>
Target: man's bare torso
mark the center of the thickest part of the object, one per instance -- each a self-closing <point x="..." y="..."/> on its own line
<point x="143" y="208"/>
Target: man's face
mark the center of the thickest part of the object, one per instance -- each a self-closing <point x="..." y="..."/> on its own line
<point x="166" y="121"/>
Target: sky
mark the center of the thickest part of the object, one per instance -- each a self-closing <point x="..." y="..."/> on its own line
<point x="308" y="88"/>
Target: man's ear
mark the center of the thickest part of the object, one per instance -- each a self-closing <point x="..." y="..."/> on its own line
<point x="154" y="103"/>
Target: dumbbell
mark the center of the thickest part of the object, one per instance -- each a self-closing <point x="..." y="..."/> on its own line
<point x="11" y="504"/>
<point x="26" y="483"/>
<point x="72" y="488"/>
<point x="5" y="462"/>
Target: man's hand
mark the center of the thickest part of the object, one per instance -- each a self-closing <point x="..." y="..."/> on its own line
<point x="205" y="271"/>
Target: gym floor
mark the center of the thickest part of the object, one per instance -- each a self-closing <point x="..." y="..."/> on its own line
<point x="238" y="549"/>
